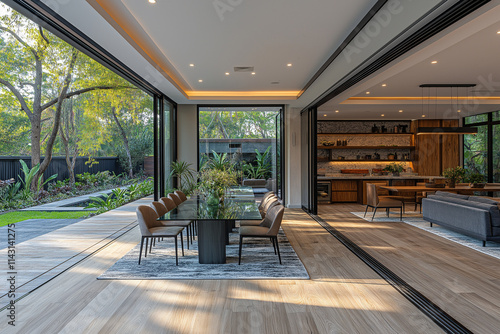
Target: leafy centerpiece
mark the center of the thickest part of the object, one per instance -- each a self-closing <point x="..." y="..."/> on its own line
<point x="475" y="180"/>
<point x="454" y="175"/>
<point x="395" y="168"/>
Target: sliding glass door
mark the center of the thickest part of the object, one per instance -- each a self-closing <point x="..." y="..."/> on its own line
<point x="248" y="139"/>
<point x="308" y="120"/>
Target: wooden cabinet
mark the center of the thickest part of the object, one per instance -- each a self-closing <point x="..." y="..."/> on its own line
<point x="344" y="191"/>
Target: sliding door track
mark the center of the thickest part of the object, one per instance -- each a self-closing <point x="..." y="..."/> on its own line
<point x="431" y="310"/>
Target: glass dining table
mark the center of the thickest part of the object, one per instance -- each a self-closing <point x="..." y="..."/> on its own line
<point x="215" y="222"/>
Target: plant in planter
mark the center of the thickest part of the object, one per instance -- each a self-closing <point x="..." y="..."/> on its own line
<point x="475" y="180"/>
<point x="185" y="174"/>
<point x="395" y="168"/>
<point x="454" y="175"/>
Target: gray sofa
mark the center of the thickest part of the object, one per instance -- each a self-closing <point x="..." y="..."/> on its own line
<point x="474" y="216"/>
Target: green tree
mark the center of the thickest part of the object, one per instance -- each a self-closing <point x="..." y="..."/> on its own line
<point x="37" y="70"/>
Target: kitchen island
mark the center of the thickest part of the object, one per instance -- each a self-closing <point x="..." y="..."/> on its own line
<point x="351" y="188"/>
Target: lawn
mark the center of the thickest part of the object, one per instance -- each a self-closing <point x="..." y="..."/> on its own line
<point x="18" y="216"/>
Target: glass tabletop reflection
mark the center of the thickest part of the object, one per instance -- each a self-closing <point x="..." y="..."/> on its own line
<point x="239" y="204"/>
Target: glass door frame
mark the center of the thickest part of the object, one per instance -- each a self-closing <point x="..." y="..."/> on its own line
<point x="309" y="200"/>
<point x="282" y="135"/>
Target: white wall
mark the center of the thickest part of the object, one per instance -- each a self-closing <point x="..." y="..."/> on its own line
<point x="187" y="136"/>
<point x="292" y="158"/>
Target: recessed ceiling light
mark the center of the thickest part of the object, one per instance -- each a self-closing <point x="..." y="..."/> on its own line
<point x="191" y="65"/>
<point x="152" y="1"/>
<point x="498" y="32"/>
<point x="200" y="80"/>
<point x="384" y="85"/>
<point x="289" y="65"/>
<point x="367" y="93"/>
<point x="382" y="115"/>
<point x="253" y="73"/>
<point x="423" y="115"/>
<point x="227" y="73"/>
<point x="336" y="111"/>
<point x="459" y="110"/>
<point x="434" y="62"/>
<point x="401" y="111"/>
<point x="324" y="115"/>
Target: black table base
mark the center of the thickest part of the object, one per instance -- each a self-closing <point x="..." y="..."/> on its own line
<point x="212" y="238"/>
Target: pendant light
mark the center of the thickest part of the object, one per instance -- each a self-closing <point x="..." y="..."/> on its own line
<point x="439" y="130"/>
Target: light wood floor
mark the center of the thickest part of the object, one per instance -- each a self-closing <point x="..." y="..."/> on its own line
<point x="342" y="296"/>
<point x="463" y="282"/>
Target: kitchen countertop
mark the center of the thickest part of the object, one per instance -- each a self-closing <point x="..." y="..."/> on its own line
<point x="375" y="177"/>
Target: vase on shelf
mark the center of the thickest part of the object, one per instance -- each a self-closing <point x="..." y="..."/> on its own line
<point x="451" y="183"/>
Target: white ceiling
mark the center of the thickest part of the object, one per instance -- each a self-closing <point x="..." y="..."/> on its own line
<point x="468" y="53"/>
<point x="261" y="33"/>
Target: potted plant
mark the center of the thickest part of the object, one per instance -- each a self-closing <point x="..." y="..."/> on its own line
<point x="395" y="168"/>
<point x="475" y="180"/>
<point x="214" y="184"/>
<point x="454" y="175"/>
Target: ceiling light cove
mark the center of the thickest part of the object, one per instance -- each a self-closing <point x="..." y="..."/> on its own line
<point x="243" y="95"/>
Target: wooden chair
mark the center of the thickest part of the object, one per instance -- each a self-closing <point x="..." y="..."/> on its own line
<point x="269" y="229"/>
<point x="151" y="229"/>
<point x="161" y="209"/>
<point x="181" y="195"/>
<point x="375" y="201"/>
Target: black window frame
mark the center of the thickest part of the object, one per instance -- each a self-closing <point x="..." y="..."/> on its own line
<point x="489" y="123"/>
<point x="281" y="192"/>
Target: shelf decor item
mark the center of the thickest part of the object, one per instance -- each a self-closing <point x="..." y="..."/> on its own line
<point x="395" y="168"/>
<point x="454" y="175"/>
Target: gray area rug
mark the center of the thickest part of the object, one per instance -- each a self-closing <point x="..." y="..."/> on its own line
<point x="415" y="219"/>
<point x="258" y="261"/>
<point x="32" y="228"/>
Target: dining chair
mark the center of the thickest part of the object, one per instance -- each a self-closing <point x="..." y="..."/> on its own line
<point x="264" y="203"/>
<point x="150" y="229"/>
<point x="269" y="204"/>
<point x="181" y="195"/>
<point x="273" y="220"/>
<point x="161" y="209"/>
<point x="174" y="198"/>
<point x="170" y="205"/>
<point x="420" y="195"/>
<point x="375" y="201"/>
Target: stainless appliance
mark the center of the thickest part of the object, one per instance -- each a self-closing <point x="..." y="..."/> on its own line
<point x="324" y="192"/>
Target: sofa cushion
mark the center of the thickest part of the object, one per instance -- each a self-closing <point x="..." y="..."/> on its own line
<point x="482" y="200"/>
<point x="448" y="194"/>
<point x="449" y="199"/>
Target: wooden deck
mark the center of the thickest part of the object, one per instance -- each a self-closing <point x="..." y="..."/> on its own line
<point x="460" y="280"/>
<point x="342" y="296"/>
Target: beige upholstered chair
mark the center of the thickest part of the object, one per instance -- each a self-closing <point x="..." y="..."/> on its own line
<point x="375" y="201"/>
<point x="174" y="198"/>
<point x="264" y="204"/>
<point x="181" y="195"/>
<point x="151" y="229"/>
<point x="269" y="229"/>
<point x="273" y="201"/>
<point x="164" y="206"/>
